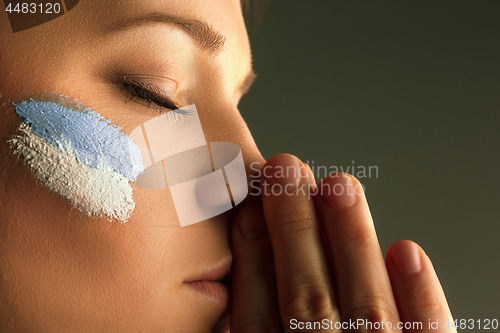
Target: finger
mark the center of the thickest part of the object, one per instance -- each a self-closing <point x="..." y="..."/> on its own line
<point x="364" y="289"/>
<point x="254" y="304"/>
<point x="417" y="290"/>
<point x="303" y="283"/>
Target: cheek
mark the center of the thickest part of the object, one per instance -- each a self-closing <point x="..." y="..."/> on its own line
<point x="78" y="154"/>
<point x="154" y="209"/>
<point x="95" y="192"/>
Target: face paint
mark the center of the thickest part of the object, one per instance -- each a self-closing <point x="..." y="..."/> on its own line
<point x="91" y="137"/>
<point x="80" y="155"/>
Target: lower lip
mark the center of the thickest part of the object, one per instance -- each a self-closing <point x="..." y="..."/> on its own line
<point x="213" y="289"/>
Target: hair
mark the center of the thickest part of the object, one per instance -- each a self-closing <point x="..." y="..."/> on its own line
<point x="253" y="13"/>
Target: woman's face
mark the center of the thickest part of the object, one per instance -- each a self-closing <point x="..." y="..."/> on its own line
<point x="65" y="271"/>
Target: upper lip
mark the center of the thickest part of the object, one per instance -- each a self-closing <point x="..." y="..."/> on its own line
<point x="220" y="272"/>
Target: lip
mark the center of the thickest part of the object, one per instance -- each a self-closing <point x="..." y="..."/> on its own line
<point x="212" y="282"/>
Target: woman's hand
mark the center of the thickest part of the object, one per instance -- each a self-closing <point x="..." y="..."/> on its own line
<point x="302" y="259"/>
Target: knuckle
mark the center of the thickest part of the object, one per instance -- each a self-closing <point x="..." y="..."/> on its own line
<point x="358" y="233"/>
<point x="426" y="302"/>
<point x="361" y="233"/>
<point x="373" y="313"/>
<point x="309" y="304"/>
<point x="427" y="307"/>
<point x="296" y="220"/>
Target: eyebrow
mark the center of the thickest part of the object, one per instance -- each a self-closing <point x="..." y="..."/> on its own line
<point x="200" y="31"/>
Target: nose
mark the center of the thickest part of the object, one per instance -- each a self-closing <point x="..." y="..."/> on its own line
<point x="204" y="182"/>
<point x="226" y="124"/>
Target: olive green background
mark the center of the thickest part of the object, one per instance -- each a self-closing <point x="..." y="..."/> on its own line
<point x="412" y="87"/>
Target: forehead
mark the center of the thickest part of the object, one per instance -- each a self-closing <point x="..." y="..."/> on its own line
<point x="222" y="16"/>
<point x="90" y="19"/>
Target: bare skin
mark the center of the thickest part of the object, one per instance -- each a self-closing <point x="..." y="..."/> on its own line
<point x="64" y="271"/>
<point x="327" y="261"/>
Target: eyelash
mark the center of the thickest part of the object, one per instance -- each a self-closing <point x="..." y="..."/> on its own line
<point x="135" y="90"/>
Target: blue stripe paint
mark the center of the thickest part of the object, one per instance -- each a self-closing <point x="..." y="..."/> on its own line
<point x="91" y="137"/>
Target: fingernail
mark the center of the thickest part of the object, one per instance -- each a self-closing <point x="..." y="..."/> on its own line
<point x="252" y="223"/>
<point x="337" y="190"/>
<point x="284" y="169"/>
<point x="407" y="258"/>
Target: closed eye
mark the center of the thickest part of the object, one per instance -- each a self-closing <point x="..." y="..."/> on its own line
<point x="145" y="93"/>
